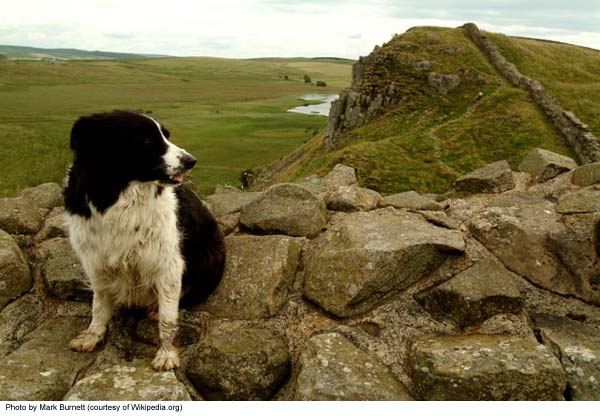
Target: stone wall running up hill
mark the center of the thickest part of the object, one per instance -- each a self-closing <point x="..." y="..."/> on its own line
<point x="331" y="292"/>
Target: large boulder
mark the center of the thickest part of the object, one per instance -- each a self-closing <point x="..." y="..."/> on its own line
<point x="15" y="277"/>
<point x="544" y="165"/>
<point x="411" y="200"/>
<point x="258" y="274"/>
<point x="62" y="270"/>
<point x="286" y="209"/>
<point x="493" y="178"/>
<point x="352" y="198"/>
<point x="17" y="320"/>
<point x="474" y="295"/>
<point x="484" y="367"/>
<point x="20" y="216"/>
<point x="43" y="367"/>
<point x="332" y="368"/>
<point x="239" y="364"/>
<point x="531" y="240"/>
<point x="131" y="381"/>
<point x="340" y="175"/>
<point x="577" y="345"/>
<point x="585" y="200"/>
<point x="586" y="175"/>
<point x="365" y="256"/>
<point x="47" y="195"/>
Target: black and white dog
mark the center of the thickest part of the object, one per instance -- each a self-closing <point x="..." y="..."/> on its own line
<point x="143" y="238"/>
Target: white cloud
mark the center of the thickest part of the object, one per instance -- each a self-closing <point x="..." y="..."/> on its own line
<point x="245" y="28"/>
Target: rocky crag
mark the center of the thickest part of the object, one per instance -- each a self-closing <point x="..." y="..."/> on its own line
<point x="333" y="292"/>
<point x="379" y="84"/>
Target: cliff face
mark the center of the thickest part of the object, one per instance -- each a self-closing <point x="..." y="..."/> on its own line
<point x="333" y="292"/>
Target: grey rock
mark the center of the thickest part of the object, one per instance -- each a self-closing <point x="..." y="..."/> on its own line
<point x="54" y="225"/>
<point x="523" y="232"/>
<point x="332" y="368"/>
<point x="577" y="345"/>
<point x="586" y="200"/>
<point x="15" y="277"/>
<point x="17" y="320"/>
<point x="229" y="202"/>
<point x="229" y="222"/>
<point x="352" y="198"/>
<point x="20" y="216"/>
<point x="587" y="174"/>
<point x="441" y="219"/>
<point x="287" y="209"/>
<point x="225" y="189"/>
<point x="258" y="274"/>
<point x="443" y="83"/>
<point x="340" y="175"/>
<point x="544" y="165"/>
<point x="366" y="256"/>
<point x="412" y="200"/>
<point x="47" y="195"/>
<point x="131" y="381"/>
<point x="239" y="364"/>
<point x="484" y="367"/>
<point x="493" y="178"/>
<point x="474" y="295"/>
<point x="62" y="270"/>
<point x="43" y="367"/>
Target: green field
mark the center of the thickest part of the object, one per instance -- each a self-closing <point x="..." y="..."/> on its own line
<point x="231" y="114"/>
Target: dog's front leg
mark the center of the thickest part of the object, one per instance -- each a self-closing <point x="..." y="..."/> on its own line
<point x="168" y="291"/>
<point x="102" y="312"/>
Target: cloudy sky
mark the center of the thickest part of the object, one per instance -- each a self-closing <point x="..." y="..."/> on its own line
<point x="256" y="28"/>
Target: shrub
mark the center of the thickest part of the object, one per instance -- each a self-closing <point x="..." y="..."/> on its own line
<point x="307" y="79"/>
<point x="321" y="84"/>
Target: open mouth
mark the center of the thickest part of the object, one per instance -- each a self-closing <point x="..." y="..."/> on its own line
<point x="173" y="179"/>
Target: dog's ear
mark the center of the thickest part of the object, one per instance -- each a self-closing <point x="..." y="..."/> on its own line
<point x="81" y="132"/>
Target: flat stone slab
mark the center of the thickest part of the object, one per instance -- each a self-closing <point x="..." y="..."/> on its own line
<point x="62" y="270"/>
<point x="577" y="345"/>
<point x="586" y="175"/>
<point x="259" y="271"/>
<point x="286" y="209"/>
<point x="332" y="368"/>
<point x="411" y="200"/>
<point x="130" y="381"/>
<point x="225" y="203"/>
<point x="484" y="367"/>
<point x="352" y="198"/>
<point x="239" y="364"/>
<point x="587" y="200"/>
<point x="43" y="367"/>
<point x="544" y="165"/>
<point x="366" y="256"/>
<point x="493" y="178"/>
<point x="15" y="277"/>
<point x="474" y="295"/>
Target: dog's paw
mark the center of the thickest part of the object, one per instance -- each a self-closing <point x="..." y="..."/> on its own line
<point x="85" y="341"/>
<point x="166" y="359"/>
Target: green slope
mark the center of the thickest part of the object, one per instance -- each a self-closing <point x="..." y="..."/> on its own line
<point x="231" y="114"/>
<point x="431" y="139"/>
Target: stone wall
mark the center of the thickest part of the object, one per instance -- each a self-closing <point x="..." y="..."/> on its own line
<point x="576" y="133"/>
<point x="332" y="292"/>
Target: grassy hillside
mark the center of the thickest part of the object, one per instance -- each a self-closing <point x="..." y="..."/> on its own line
<point x="231" y="114"/>
<point x="431" y="139"/>
<point x="570" y="73"/>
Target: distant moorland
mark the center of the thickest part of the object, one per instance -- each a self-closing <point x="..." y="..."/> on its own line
<point x="231" y="114"/>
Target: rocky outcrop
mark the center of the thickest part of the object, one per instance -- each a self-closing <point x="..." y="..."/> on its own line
<point x="488" y="293"/>
<point x="543" y="165"/>
<point x="576" y="133"/>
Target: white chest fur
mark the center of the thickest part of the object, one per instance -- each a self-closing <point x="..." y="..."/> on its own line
<point x="132" y="247"/>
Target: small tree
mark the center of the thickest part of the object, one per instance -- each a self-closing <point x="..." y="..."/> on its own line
<point x="307" y="79"/>
<point x="321" y="84"/>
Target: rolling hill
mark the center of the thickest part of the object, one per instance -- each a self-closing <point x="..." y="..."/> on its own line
<point x="27" y="52"/>
<point x="414" y="119"/>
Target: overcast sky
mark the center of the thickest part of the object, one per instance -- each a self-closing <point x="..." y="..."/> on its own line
<point x="259" y="28"/>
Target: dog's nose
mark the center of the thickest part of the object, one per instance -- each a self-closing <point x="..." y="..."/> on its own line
<point x="188" y="161"/>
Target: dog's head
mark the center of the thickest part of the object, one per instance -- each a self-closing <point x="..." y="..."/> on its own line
<point x="130" y="145"/>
